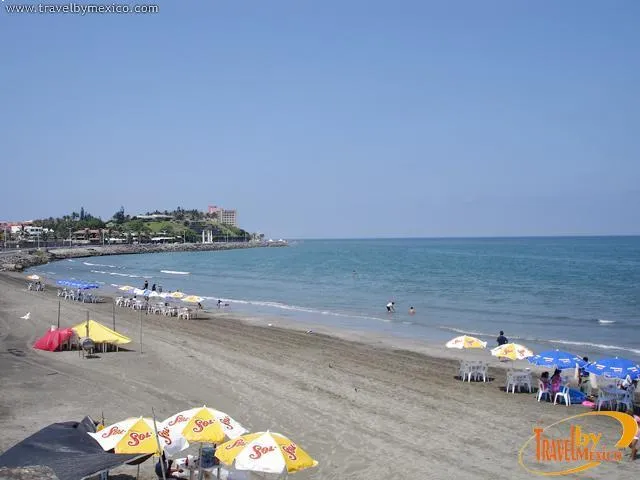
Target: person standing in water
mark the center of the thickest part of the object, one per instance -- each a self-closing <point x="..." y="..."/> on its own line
<point x="391" y="307"/>
<point x="412" y="311"/>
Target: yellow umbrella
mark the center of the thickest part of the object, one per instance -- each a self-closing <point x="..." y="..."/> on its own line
<point x="512" y="351"/>
<point x="133" y="435"/>
<point x="465" y="341"/>
<point x="33" y="277"/>
<point x="176" y="295"/>
<point x="264" y="452"/>
<point x="192" y="299"/>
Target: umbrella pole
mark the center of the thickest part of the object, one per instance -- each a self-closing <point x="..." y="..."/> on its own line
<point x="155" y="430"/>
<point x="140" y="315"/>
<point x="200" y="472"/>
<point x="138" y="473"/>
<point x="114" y="322"/>
<point x="58" y="314"/>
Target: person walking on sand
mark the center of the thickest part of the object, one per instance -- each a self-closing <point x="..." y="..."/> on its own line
<point x="502" y="340"/>
<point x="391" y="307"/>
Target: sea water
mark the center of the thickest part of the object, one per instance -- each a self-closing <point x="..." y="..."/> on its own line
<point x="577" y="294"/>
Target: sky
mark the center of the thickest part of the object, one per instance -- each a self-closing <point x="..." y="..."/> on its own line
<point x="330" y="119"/>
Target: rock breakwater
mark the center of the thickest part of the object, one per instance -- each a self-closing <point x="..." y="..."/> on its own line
<point x="19" y="260"/>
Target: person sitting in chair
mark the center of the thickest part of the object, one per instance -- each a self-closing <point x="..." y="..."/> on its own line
<point x="167" y="467"/>
<point x="556" y="382"/>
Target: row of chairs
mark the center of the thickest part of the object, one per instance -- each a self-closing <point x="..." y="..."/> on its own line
<point x="79" y="296"/>
<point x="609" y="393"/>
<point x="473" y="369"/>
<point x="155" y="308"/>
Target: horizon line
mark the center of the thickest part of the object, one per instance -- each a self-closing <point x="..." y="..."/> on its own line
<point x="475" y="237"/>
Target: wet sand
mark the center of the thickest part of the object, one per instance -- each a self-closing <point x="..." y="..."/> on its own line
<point x="363" y="409"/>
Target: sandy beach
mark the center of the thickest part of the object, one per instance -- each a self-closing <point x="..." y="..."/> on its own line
<point x="363" y="409"/>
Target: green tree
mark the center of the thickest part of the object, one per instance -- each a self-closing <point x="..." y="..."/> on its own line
<point x="119" y="217"/>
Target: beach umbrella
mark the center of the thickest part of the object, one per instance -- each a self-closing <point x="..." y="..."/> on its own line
<point x="78" y="284"/>
<point x="192" y="299"/>
<point x="133" y="435"/>
<point x="126" y="288"/>
<point x="264" y="452"/>
<point x="154" y="294"/>
<point x="512" y="351"/>
<point x="614" y="367"/>
<point x="556" y="359"/>
<point x="33" y="277"/>
<point x="465" y="341"/>
<point x="176" y="295"/>
<point x="201" y="424"/>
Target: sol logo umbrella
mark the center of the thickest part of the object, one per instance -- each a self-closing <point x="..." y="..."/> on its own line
<point x="133" y="435"/>
<point x="465" y="341"/>
<point x="264" y="452"/>
<point x="512" y="351"/>
<point x="200" y="424"/>
<point x="192" y="299"/>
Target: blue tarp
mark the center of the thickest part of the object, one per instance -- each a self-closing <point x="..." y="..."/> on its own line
<point x="66" y="449"/>
<point x="77" y="284"/>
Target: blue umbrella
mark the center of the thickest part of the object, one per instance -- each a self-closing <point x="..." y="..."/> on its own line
<point x="76" y="284"/>
<point x="557" y="359"/>
<point x="614" y="367"/>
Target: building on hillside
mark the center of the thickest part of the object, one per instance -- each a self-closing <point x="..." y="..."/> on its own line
<point x="87" y="235"/>
<point x="229" y="217"/>
<point x="223" y="215"/>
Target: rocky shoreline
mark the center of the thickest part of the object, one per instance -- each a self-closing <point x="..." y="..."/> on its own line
<point x="21" y="259"/>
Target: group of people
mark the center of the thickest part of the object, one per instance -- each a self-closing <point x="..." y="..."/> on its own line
<point x="38" y="286"/>
<point x="153" y="287"/>
<point x="391" y="308"/>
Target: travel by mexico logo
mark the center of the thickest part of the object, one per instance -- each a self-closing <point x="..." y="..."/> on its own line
<point x="575" y="444"/>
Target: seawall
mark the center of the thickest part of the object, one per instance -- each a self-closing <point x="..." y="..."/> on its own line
<point x="25" y="258"/>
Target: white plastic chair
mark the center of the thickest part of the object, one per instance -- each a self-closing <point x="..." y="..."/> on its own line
<point x="480" y="371"/>
<point x="564" y="394"/>
<point x="543" y="391"/>
<point x="605" y="398"/>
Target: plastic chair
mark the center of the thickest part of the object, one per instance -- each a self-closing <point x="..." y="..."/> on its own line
<point x="564" y="394"/>
<point x="603" y="398"/>
<point x="543" y="391"/>
<point x="627" y="399"/>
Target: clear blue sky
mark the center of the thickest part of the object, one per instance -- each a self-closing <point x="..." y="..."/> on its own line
<point x="331" y="118"/>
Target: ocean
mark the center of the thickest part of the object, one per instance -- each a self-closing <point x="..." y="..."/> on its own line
<point x="580" y="294"/>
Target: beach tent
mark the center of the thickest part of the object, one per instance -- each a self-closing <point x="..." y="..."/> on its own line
<point x="53" y="339"/>
<point x="66" y="449"/>
<point x="99" y="333"/>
